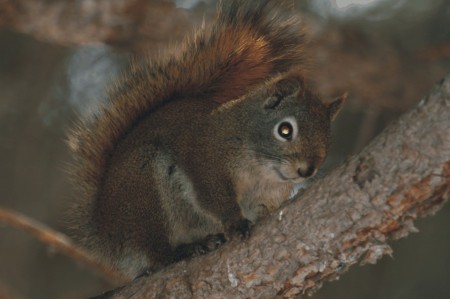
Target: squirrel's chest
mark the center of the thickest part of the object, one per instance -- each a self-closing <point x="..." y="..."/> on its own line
<point x="259" y="191"/>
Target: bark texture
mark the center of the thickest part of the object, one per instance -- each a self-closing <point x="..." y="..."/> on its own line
<point x="343" y="219"/>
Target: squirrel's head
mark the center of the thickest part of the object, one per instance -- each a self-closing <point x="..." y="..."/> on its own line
<point x="287" y="128"/>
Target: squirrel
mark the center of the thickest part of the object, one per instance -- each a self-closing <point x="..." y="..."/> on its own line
<point x="195" y="146"/>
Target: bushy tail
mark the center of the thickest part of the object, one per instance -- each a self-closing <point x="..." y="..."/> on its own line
<point x="249" y="42"/>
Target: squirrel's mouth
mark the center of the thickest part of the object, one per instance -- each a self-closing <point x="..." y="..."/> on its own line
<point x="283" y="177"/>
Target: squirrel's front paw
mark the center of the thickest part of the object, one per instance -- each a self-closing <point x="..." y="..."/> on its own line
<point x="242" y="228"/>
<point x="210" y="243"/>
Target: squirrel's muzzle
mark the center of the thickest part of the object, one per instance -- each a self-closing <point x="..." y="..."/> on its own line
<point x="306" y="170"/>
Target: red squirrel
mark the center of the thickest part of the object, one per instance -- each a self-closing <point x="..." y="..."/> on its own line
<point x="195" y="146"/>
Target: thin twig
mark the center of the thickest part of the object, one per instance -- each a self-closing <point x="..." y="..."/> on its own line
<point x="60" y="242"/>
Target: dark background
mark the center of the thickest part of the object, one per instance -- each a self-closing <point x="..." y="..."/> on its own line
<point x="386" y="54"/>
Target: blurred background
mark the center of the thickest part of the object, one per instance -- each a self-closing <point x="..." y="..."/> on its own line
<point x="58" y="57"/>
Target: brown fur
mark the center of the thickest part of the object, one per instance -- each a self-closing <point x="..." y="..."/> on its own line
<point x="129" y="170"/>
<point x="246" y="36"/>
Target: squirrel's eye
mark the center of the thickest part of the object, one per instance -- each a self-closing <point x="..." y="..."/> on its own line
<point x="285" y="130"/>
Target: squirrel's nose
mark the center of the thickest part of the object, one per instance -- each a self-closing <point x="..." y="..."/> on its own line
<point x="306" y="170"/>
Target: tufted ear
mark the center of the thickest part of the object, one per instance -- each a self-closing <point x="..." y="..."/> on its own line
<point x="286" y="87"/>
<point x="336" y="106"/>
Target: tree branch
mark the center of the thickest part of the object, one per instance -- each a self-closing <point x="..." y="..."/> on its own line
<point x="344" y="219"/>
<point x="143" y="25"/>
<point x="59" y="242"/>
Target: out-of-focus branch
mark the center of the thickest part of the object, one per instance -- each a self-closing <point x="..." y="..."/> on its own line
<point x="142" y="25"/>
<point x="435" y="52"/>
<point x="59" y="242"/>
<point x="348" y="59"/>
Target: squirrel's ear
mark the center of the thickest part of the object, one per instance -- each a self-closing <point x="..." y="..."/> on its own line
<point x="272" y="102"/>
<point x="287" y="87"/>
<point x="336" y="106"/>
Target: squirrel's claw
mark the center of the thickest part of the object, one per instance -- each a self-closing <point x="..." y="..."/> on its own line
<point x="243" y="228"/>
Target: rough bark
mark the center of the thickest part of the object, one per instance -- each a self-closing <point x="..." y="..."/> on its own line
<point x="343" y="219"/>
